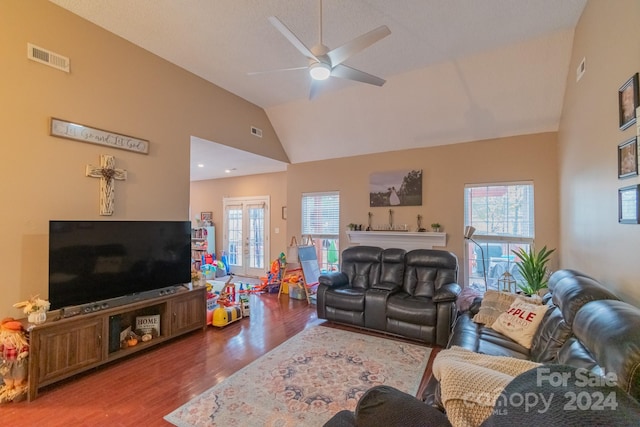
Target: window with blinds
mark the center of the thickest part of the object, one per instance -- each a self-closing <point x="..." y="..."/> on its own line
<point x="503" y="216"/>
<point x="321" y="214"/>
<point x="321" y="221"/>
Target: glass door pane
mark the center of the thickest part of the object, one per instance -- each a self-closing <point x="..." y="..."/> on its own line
<point x="256" y="242"/>
<point x="245" y="237"/>
<point x="233" y="248"/>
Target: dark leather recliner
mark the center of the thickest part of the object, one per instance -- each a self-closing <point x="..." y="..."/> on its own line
<point x="411" y="294"/>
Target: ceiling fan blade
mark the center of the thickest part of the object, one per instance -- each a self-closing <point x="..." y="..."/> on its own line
<point x="253" y="73"/>
<point x="342" y="53"/>
<point x="292" y="38"/>
<point x="315" y="89"/>
<point x="345" y="72"/>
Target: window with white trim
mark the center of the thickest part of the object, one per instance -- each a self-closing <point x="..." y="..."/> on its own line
<point x="503" y="216"/>
<point x="321" y="221"/>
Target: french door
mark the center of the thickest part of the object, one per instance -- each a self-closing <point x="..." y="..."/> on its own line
<point x="246" y="239"/>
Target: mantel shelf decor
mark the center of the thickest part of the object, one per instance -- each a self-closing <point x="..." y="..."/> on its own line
<point x="407" y="240"/>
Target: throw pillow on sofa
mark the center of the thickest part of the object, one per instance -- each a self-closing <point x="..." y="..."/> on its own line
<point x="494" y="303"/>
<point x="521" y="321"/>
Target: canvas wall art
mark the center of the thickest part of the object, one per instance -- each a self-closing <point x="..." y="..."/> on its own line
<point x="395" y="188"/>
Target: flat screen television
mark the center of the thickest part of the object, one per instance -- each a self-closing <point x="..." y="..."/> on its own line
<point x="91" y="261"/>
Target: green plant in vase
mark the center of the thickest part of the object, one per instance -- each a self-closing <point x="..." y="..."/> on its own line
<point x="532" y="266"/>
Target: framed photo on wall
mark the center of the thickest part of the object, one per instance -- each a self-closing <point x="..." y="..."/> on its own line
<point x="206" y="216"/>
<point x="628" y="158"/>
<point x="629" y="204"/>
<point x="396" y="188"/>
<point x="628" y="101"/>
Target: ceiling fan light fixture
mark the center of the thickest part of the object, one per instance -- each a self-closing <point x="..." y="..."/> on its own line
<point x="320" y="71"/>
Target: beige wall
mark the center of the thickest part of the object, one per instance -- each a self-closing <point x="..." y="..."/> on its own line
<point x="117" y="86"/>
<point x="206" y="196"/>
<point x="446" y="169"/>
<point x="113" y="85"/>
<point x="608" y="36"/>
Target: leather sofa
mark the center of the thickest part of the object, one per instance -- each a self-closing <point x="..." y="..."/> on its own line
<point x="586" y="326"/>
<point x="410" y="294"/>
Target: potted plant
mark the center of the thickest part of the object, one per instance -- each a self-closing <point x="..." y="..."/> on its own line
<point x="532" y="266"/>
<point x="435" y="227"/>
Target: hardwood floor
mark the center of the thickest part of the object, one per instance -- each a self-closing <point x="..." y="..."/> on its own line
<point x="141" y="389"/>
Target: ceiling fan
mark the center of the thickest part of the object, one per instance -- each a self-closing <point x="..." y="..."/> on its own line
<point x="325" y="63"/>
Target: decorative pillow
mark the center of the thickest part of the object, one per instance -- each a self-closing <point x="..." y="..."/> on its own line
<point x="521" y="321"/>
<point x="494" y="303"/>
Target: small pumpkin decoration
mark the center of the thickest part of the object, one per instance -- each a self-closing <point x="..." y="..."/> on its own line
<point x="131" y="341"/>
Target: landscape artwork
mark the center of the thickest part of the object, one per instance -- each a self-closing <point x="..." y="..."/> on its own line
<point x="395" y="188"/>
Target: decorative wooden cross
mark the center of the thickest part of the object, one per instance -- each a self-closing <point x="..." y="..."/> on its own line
<point x="107" y="173"/>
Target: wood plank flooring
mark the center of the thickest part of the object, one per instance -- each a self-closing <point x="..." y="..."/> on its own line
<point x="141" y="389"/>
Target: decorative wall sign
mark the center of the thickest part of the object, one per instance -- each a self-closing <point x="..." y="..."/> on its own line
<point x="628" y="158"/>
<point x="629" y="204"/>
<point x="78" y="132"/>
<point x="397" y="188"/>
<point x="628" y="101"/>
<point x="107" y="173"/>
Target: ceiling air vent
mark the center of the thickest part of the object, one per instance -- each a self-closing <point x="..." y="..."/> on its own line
<point x="256" y="132"/>
<point x="47" y="57"/>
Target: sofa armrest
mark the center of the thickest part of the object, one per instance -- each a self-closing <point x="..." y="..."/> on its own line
<point x="475" y="306"/>
<point x="387" y="406"/>
<point x="334" y="280"/>
<point x="447" y="293"/>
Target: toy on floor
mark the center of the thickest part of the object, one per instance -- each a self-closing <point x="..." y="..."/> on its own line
<point x="272" y="280"/>
<point x="227" y="311"/>
<point x="244" y="306"/>
<point x="14" y="350"/>
<point x="222" y="315"/>
<point x="244" y="301"/>
<point x="228" y="293"/>
<point x="275" y="274"/>
<point x="210" y="267"/>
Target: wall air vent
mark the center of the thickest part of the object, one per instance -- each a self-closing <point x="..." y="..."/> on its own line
<point x="47" y="57"/>
<point x="256" y="132"/>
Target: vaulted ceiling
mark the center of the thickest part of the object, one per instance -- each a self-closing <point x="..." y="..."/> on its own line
<point x="455" y="70"/>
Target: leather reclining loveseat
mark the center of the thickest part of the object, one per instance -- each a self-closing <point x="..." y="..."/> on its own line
<point x="586" y="326"/>
<point x="411" y="294"/>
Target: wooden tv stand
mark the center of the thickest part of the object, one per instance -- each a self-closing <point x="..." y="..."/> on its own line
<point x="63" y="347"/>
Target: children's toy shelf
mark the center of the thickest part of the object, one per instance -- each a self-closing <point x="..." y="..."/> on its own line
<point x="203" y="242"/>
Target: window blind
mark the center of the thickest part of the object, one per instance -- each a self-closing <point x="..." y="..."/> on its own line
<point x="321" y="213"/>
<point x="501" y="211"/>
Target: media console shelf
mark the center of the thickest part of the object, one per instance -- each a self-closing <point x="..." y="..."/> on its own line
<point x="63" y="347"/>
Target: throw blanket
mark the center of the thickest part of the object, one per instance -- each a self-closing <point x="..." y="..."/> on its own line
<point x="471" y="382"/>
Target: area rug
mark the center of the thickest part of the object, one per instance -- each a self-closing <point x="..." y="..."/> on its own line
<point x="306" y="380"/>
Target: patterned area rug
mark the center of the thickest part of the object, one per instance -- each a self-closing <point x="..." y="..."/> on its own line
<point x="306" y="380"/>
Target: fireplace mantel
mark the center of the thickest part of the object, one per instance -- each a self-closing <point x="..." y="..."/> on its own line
<point x="398" y="239"/>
